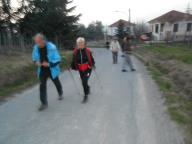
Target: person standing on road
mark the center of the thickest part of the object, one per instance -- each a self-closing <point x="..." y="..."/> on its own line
<point x="115" y="48"/>
<point x="107" y="44"/>
<point x="47" y="59"/>
<point x="84" y="62"/>
<point x="127" y="51"/>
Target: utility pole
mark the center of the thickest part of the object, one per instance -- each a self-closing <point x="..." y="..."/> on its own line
<point x="188" y="34"/>
<point x="130" y="15"/>
<point x="188" y="9"/>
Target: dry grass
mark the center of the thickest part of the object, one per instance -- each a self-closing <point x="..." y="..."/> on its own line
<point x="171" y="68"/>
<point x="18" y="72"/>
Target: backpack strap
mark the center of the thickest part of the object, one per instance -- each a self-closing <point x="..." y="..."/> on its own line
<point x="88" y="51"/>
<point x="75" y="57"/>
<point x="89" y="56"/>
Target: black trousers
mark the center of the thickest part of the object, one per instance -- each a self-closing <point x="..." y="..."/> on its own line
<point x="43" y="86"/>
<point x="84" y="78"/>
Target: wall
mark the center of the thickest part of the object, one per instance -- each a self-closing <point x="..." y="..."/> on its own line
<point x="168" y="33"/>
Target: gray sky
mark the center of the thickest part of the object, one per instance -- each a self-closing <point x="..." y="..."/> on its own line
<point x="104" y="10"/>
<point x="141" y="9"/>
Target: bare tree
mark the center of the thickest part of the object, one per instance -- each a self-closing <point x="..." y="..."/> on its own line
<point x="141" y="28"/>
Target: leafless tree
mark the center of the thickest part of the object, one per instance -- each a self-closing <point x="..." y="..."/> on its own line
<point x="141" y="28"/>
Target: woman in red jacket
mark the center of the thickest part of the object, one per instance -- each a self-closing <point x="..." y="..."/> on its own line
<point x="83" y="61"/>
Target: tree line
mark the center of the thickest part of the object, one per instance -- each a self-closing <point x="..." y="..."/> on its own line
<point x="93" y="32"/>
<point x="50" y="17"/>
<point x="54" y="18"/>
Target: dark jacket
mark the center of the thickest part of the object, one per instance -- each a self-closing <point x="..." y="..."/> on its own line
<point x="81" y="57"/>
<point x="126" y="47"/>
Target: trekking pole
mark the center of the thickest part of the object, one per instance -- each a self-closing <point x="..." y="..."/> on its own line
<point x="71" y="75"/>
<point x="98" y="78"/>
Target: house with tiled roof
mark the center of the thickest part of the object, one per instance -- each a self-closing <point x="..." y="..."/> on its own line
<point x="172" y="26"/>
<point x="112" y="29"/>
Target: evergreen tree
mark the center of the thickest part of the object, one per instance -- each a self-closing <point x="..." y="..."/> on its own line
<point x="121" y="31"/>
<point x="95" y="31"/>
<point x="82" y="30"/>
<point x="99" y="30"/>
<point x="91" y="31"/>
<point x="50" y="17"/>
<point x="7" y="16"/>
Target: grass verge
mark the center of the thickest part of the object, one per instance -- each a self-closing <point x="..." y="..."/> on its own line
<point x="19" y="73"/>
<point x="171" y="79"/>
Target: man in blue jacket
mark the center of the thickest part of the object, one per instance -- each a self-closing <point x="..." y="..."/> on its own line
<point x="47" y="59"/>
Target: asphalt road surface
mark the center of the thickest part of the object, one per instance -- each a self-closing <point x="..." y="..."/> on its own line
<point x="124" y="108"/>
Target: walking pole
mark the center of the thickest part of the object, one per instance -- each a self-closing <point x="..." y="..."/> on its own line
<point x="72" y="77"/>
<point x="98" y="78"/>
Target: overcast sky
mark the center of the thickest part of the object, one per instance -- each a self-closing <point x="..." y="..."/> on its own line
<point x="141" y="9"/>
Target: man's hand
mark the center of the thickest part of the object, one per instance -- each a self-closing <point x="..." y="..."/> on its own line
<point x="45" y="64"/>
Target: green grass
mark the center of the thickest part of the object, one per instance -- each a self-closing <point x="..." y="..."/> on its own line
<point x="179" y="108"/>
<point x="19" y="83"/>
<point x="178" y="52"/>
<point x="66" y="59"/>
<point x="178" y="102"/>
<point x="164" y="84"/>
<point x="178" y="115"/>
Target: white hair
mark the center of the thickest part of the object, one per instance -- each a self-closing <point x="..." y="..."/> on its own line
<point x="41" y="36"/>
<point x="80" y="39"/>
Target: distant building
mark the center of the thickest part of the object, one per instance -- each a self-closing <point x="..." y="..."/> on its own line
<point x="172" y="26"/>
<point x="112" y="29"/>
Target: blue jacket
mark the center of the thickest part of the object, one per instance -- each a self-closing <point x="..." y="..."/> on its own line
<point x="52" y="55"/>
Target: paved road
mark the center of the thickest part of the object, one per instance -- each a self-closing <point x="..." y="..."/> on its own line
<point x="127" y="109"/>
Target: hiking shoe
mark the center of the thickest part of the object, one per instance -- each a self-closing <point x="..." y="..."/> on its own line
<point x="85" y="99"/>
<point x="124" y="70"/>
<point x="61" y="98"/>
<point x="133" y="70"/>
<point x="43" y="107"/>
<point x="61" y="95"/>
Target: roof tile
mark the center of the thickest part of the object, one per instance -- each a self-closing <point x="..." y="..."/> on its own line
<point x="172" y="17"/>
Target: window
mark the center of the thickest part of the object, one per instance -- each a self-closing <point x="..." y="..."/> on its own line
<point x="162" y="27"/>
<point x="152" y="27"/>
<point x="175" y="27"/>
<point x="156" y="28"/>
<point x="189" y="26"/>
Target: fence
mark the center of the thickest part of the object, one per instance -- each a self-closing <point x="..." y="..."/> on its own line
<point x="15" y="43"/>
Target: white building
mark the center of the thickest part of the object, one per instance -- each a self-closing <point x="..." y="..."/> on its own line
<point x="112" y="29"/>
<point x="172" y="26"/>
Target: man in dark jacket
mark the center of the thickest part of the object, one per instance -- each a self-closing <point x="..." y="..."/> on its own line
<point x="83" y="61"/>
<point x="127" y="51"/>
